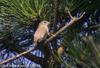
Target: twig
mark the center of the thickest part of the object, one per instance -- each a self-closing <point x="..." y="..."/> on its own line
<point x="70" y="14"/>
<point x="73" y="20"/>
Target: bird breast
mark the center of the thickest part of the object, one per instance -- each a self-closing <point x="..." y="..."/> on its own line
<point x="40" y="33"/>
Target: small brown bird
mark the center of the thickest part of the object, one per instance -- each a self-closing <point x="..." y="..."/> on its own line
<point x="41" y="32"/>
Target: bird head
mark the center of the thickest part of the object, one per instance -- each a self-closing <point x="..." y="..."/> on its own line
<point x="44" y="23"/>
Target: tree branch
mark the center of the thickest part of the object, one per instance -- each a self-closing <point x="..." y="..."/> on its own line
<point x="21" y="51"/>
<point x="73" y="20"/>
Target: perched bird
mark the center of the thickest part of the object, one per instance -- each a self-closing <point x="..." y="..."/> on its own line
<point x="42" y="32"/>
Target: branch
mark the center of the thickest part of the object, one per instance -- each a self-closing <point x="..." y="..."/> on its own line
<point x="15" y="57"/>
<point x="70" y="14"/>
<point x="73" y="20"/>
<point x="21" y="52"/>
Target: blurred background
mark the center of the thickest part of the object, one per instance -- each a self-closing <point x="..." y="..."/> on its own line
<point x="79" y="45"/>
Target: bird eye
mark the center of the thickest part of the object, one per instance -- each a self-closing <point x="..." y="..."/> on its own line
<point x="45" y="22"/>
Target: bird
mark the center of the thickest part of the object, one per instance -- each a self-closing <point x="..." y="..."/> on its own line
<point x="42" y="32"/>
